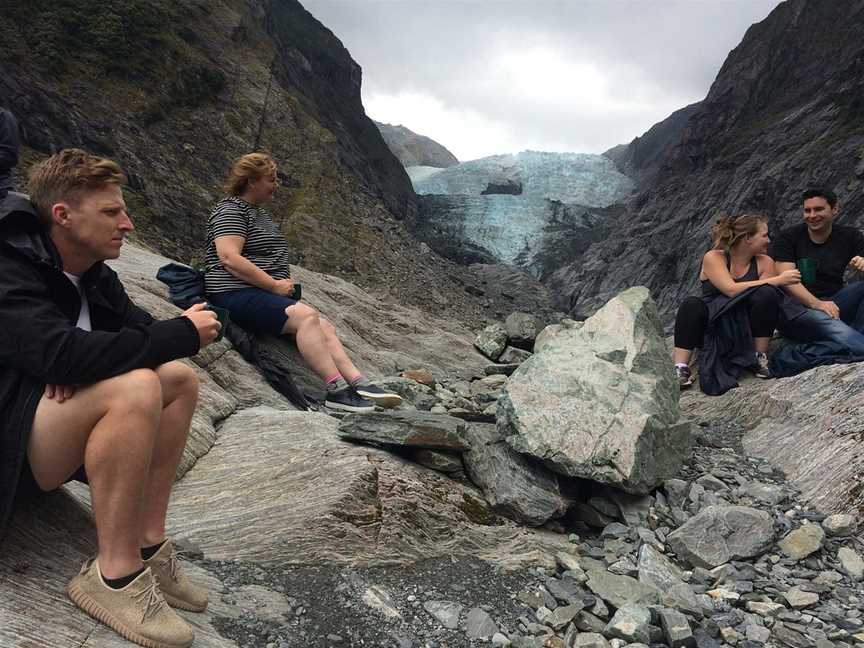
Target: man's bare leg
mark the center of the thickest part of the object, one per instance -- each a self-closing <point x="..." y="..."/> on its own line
<point x="110" y="427"/>
<point x="179" y="397"/>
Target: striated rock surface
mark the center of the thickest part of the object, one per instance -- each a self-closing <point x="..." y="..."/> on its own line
<point x="807" y="425"/>
<point x="600" y="401"/>
<point x="263" y="483"/>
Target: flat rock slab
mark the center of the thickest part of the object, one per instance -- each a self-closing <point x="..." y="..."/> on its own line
<point x="615" y="589"/>
<point x="283" y="488"/>
<point x="411" y="429"/>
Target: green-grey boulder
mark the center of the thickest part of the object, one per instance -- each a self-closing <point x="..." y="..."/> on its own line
<point x="600" y="401"/>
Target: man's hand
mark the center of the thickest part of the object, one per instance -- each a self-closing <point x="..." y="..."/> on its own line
<point x="205" y="322"/>
<point x="829" y="308"/>
<point x="59" y="393"/>
<point x="283" y="287"/>
<point x="857" y="263"/>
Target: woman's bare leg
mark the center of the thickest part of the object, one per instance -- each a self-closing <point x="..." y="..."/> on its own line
<point x="343" y="363"/>
<point x="305" y="323"/>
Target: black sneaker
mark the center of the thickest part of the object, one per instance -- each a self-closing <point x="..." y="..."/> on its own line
<point x="348" y="400"/>
<point x="379" y="396"/>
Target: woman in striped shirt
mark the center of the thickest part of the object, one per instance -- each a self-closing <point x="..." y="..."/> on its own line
<point x="247" y="273"/>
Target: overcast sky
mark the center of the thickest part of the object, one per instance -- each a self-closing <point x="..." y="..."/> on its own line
<point x="501" y="76"/>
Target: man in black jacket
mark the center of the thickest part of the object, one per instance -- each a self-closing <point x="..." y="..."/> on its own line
<point x="90" y="389"/>
<point x="9" y="145"/>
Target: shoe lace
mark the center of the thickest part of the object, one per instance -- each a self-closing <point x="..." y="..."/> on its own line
<point x="173" y="566"/>
<point x="150" y="598"/>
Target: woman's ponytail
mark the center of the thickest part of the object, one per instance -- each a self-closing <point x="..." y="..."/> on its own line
<point x="729" y="230"/>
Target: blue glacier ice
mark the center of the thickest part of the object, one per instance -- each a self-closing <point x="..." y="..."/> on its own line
<point x="509" y="222"/>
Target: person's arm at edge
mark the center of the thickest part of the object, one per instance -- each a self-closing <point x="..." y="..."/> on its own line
<point x="857" y="261"/>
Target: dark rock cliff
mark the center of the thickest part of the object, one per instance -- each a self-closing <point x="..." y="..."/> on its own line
<point x="415" y="150"/>
<point x="641" y="159"/>
<point x="785" y="112"/>
<point x="175" y="91"/>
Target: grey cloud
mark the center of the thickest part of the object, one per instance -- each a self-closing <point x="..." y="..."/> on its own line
<point x="661" y="51"/>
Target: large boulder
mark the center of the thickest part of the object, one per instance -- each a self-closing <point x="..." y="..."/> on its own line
<point x="600" y="401"/>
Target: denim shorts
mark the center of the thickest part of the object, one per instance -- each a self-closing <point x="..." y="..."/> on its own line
<point x="255" y="310"/>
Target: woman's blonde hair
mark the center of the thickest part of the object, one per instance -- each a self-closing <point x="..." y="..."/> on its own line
<point x="729" y="230"/>
<point x="246" y="169"/>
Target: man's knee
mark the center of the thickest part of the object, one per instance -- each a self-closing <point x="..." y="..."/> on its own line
<point x="177" y="378"/>
<point x="139" y="389"/>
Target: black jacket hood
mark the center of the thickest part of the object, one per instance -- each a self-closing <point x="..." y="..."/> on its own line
<point x="20" y="230"/>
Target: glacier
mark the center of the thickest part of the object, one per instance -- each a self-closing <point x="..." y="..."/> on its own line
<point x="497" y="209"/>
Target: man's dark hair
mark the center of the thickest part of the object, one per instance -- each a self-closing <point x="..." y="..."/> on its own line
<point x="819" y="192"/>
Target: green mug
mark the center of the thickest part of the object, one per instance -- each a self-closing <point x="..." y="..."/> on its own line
<point x="221" y="316"/>
<point x="297" y="292"/>
<point x="807" y="268"/>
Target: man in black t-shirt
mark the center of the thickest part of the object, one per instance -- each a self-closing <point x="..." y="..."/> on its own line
<point x="822" y="313"/>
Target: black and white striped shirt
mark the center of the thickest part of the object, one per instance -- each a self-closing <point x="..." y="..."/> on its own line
<point x="265" y="246"/>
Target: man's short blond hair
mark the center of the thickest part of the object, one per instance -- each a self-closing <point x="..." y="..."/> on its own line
<point x="246" y="169"/>
<point x="64" y="176"/>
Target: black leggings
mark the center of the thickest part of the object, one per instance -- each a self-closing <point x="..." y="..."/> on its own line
<point x="763" y="309"/>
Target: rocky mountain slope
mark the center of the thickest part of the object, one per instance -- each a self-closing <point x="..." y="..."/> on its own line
<point x="780" y="116"/>
<point x="175" y="91"/>
<point x="413" y="149"/>
<point x="641" y="159"/>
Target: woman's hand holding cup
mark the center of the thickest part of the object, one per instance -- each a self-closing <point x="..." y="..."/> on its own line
<point x="788" y="277"/>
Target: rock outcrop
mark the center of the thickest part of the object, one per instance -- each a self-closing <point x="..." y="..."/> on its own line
<point x="412" y="149"/>
<point x="599" y="401"/>
<point x="642" y="158"/>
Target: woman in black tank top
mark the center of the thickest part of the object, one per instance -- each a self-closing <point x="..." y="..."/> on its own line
<point x="737" y="264"/>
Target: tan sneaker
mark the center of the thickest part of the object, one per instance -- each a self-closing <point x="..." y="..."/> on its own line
<point x="178" y="591"/>
<point x="137" y="612"/>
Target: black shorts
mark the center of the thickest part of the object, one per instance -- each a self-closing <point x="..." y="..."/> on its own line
<point x="28" y="488"/>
